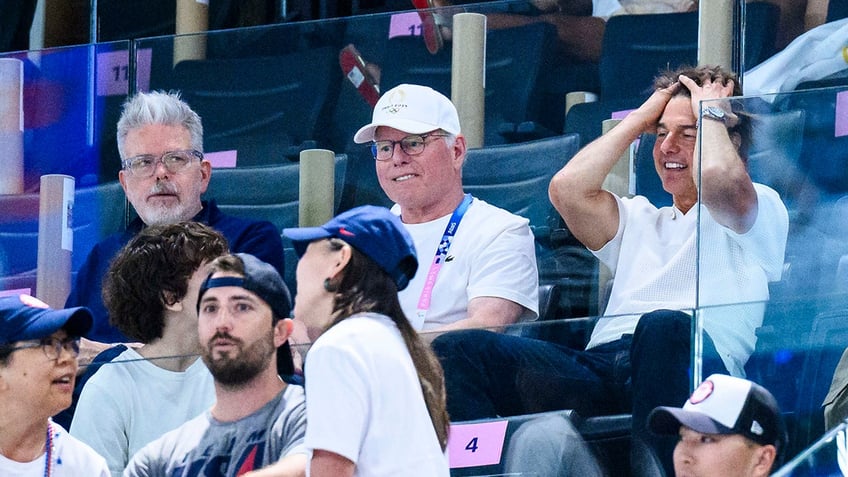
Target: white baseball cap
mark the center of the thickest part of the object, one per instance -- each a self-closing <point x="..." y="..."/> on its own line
<point x="413" y="109"/>
<point x="725" y="405"/>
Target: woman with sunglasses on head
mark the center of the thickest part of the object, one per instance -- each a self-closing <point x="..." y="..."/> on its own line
<point x="375" y="395"/>
<point x="38" y="365"/>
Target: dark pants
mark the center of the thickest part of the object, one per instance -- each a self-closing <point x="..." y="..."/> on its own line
<point x="490" y="374"/>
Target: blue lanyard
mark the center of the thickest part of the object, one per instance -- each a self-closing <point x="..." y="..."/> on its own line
<point x="441" y="253"/>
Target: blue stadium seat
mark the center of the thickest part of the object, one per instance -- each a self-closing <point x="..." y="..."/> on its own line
<point x="268" y="193"/>
<point x="268" y="108"/>
<point x="515" y="58"/>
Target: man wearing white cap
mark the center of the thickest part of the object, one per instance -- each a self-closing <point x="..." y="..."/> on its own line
<point x="728" y="427"/>
<point x="478" y="261"/>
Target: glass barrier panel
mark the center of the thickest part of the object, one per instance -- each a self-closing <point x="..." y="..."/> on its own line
<point x="67" y="105"/>
<point x="828" y="456"/>
<point x="785" y="243"/>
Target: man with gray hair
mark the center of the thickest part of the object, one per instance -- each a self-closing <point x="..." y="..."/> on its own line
<point x="163" y="173"/>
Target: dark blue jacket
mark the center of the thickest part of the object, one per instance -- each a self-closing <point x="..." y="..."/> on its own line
<point x="259" y="238"/>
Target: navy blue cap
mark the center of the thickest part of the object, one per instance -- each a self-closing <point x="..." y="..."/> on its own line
<point x="260" y="278"/>
<point x="375" y="231"/>
<point x="23" y="318"/>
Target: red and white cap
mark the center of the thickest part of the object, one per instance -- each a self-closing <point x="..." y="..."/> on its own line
<point x="725" y="405"/>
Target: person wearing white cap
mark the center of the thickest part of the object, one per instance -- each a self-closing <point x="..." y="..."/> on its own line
<point x="38" y="364"/>
<point x="478" y="261"/>
<point x="728" y="427"/>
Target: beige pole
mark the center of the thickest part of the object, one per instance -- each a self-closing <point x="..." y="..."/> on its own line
<point x="55" y="239"/>
<point x="468" y="74"/>
<point x="317" y="187"/>
<point x="11" y="126"/>
<point x="715" y="32"/>
<point x="192" y="17"/>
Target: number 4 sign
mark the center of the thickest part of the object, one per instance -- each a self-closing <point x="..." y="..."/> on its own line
<point x="471" y="445"/>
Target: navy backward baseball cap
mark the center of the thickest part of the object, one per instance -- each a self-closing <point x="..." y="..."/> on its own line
<point x="260" y="278"/>
<point x="24" y="318"/>
<point x="375" y="231"/>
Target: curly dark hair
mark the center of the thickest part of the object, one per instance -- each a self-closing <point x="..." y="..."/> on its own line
<point x="716" y="74"/>
<point x="152" y="271"/>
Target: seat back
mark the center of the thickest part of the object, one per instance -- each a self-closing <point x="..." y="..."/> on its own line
<point x="637" y="47"/>
<point x="516" y="177"/>
<point x="130" y="19"/>
<point x="268" y="193"/>
<point x="98" y="212"/>
<point x="267" y="108"/>
<point x="514" y="59"/>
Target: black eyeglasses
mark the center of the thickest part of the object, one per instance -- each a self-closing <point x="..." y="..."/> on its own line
<point x="144" y="165"/>
<point x="412" y="145"/>
<point x="52" y="347"/>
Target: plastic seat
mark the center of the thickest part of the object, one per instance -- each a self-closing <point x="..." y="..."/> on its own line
<point x="268" y="193"/>
<point x="515" y="57"/>
<point x="515" y="177"/>
<point x="267" y="108"/>
<point x="130" y="19"/>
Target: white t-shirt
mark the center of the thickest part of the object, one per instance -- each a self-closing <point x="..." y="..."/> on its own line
<point x="71" y="458"/>
<point x="654" y="260"/>
<point x="607" y="8"/>
<point x="364" y="401"/>
<point x="492" y="254"/>
<point x="130" y="401"/>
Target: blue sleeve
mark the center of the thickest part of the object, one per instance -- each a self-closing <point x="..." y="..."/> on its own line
<point x="260" y="239"/>
<point x="87" y="288"/>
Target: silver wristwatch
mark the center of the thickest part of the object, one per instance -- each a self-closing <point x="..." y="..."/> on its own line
<point x="716" y="113"/>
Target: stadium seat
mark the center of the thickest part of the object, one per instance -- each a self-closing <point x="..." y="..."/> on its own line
<point x="515" y="58"/>
<point x="268" y="193"/>
<point x="267" y="108"/>
<point x="98" y="211"/>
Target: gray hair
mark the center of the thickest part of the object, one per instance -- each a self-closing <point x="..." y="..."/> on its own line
<point x="159" y="107"/>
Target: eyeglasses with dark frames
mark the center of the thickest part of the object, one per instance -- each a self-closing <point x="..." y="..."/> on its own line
<point x="52" y="347"/>
<point x="412" y="145"/>
<point x="144" y="165"/>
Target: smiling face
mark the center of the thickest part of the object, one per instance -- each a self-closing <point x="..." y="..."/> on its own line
<point x="713" y="455"/>
<point x="38" y="381"/>
<point x="674" y="150"/>
<point x="164" y="197"/>
<point x="427" y="185"/>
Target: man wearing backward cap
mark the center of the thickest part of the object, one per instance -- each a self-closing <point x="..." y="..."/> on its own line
<point x="258" y="421"/>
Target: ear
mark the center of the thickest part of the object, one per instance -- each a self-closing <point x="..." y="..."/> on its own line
<point x="764" y="459"/>
<point x="459" y="149"/>
<point x="205" y="174"/>
<point x="171" y="302"/>
<point x="122" y="178"/>
<point x="343" y="258"/>
<point x="282" y="330"/>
